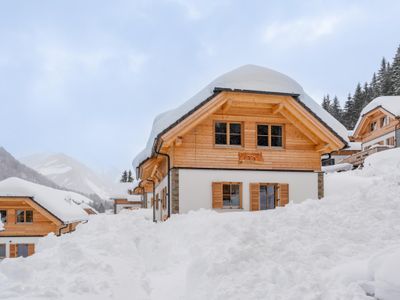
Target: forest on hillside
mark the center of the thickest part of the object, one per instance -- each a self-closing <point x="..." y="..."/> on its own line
<point x="384" y="82"/>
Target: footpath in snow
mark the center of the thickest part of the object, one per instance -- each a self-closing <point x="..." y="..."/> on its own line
<point x="346" y="246"/>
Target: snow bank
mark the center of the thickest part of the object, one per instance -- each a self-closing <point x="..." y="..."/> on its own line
<point x="319" y="249"/>
<point x="58" y="202"/>
<point x="247" y="77"/>
<point x="337" y="168"/>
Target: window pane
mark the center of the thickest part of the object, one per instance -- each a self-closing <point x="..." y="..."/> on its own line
<point x="226" y="194"/>
<point x="276" y="141"/>
<point x="3" y="216"/>
<point x="235" y="139"/>
<point x="234" y="127"/>
<point x="235" y="195"/>
<point x="22" y="250"/>
<point x="220" y="127"/>
<point x="270" y="197"/>
<point x="29" y="216"/>
<point x="262" y="141"/>
<point x="2" y="250"/>
<point x="262" y="129"/>
<point x="20" y="216"/>
<point x="276" y="130"/>
<point x="220" y="139"/>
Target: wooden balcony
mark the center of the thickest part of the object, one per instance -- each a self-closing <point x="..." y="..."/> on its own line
<point x="358" y="158"/>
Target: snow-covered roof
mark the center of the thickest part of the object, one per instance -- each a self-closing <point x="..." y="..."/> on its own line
<point x="57" y="202"/>
<point x="389" y="103"/>
<point x="247" y="78"/>
<point x="84" y="205"/>
<point x="354" y="146"/>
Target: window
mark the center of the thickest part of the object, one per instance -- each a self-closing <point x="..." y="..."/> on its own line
<point x="24" y="216"/>
<point x="269" y="135"/>
<point x="2" y="250"/>
<point x="384" y="121"/>
<point x="228" y="133"/>
<point x="372" y="126"/>
<point x="3" y="216"/>
<point x="268" y="196"/>
<point x="22" y="250"/>
<point x="231" y="195"/>
<point x="390" y="141"/>
<point x="262" y="135"/>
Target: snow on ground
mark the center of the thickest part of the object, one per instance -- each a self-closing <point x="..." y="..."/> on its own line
<point x="342" y="247"/>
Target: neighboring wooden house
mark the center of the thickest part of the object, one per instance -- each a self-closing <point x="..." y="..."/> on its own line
<point x="127" y="202"/>
<point x="251" y="140"/>
<point x="30" y="211"/>
<point x="378" y="128"/>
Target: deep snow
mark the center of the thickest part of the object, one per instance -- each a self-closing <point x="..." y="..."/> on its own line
<point x="342" y="247"/>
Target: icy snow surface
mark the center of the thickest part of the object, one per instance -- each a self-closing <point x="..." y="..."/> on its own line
<point x="247" y="77"/>
<point x="344" y="246"/>
<point x="60" y="203"/>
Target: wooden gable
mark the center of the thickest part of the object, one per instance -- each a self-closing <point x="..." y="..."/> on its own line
<point x="363" y="131"/>
<point x="191" y="142"/>
<point x="43" y="221"/>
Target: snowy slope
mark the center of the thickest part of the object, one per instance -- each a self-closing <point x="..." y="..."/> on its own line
<point x="344" y="246"/>
<point x="71" y="174"/>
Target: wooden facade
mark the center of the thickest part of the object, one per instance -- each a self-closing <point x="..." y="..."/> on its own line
<point x="25" y="218"/>
<point x="191" y="143"/>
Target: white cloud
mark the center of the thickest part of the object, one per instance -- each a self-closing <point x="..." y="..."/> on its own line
<point x="303" y="30"/>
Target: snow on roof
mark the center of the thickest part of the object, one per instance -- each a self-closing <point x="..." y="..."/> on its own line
<point x="84" y="205"/>
<point x="59" y="203"/>
<point x="389" y="103"/>
<point x="354" y="146"/>
<point x="249" y="78"/>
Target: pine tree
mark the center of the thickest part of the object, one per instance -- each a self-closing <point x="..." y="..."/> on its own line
<point x="130" y="178"/>
<point x="395" y="73"/>
<point x="385" y="79"/>
<point x="326" y="103"/>
<point x="374" y="87"/>
<point x="349" y="113"/>
<point x="124" y="177"/>
<point x="358" y="102"/>
<point x="336" y="109"/>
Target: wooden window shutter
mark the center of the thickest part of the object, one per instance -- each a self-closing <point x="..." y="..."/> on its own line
<point x="217" y="195"/>
<point x="13" y="250"/>
<point x="254" y="196"/>
<point x="31" y="249"/>
<point x="157" y="200"/>
<point x="284" y="194"/>
<point x="164" y="198"/>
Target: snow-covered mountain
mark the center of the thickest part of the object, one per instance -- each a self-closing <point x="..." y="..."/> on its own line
<point x="11" y="167"/>
<point x="71" y="174"/>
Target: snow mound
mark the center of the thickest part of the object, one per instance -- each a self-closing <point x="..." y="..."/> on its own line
<point x="249" y="78"/>
<point x="60" y="203"/>
<point x="332" y="248"/>
<point x="337" y="168"/>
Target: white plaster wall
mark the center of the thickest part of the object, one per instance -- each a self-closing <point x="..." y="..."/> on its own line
<point x="17" y="240"/>
<point x="379" y="139"/>
<point x="195" y="186"/>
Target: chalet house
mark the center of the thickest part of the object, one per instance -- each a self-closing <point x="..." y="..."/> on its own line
<point x="378" y="127"/>
<point x="250" y="140"/>
<point x="127" y="202"/>
<point x="30" y="211"/>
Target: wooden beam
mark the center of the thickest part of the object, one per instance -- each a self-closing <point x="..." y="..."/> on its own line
<point x="277" y="108"/>
<point x="226" y="106"/>
<point x="322" y="147"/>
<point x="178" y="141"/>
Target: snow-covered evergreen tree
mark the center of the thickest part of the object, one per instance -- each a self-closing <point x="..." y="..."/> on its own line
<point x="124" y="177"/>
<point x="349" y="113"/>
<point x="326" y="103"/>
<point x="336" y="110"/>
<point x="395" y="73"/>
<point x="130" y="178"/>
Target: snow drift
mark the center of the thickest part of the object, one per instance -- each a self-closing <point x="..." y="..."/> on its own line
<point x="345" y="246"/>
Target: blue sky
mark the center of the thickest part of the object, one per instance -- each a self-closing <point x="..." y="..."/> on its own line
<point x="86" y="78"/>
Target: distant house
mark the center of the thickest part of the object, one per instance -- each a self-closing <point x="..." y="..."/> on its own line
<point x="127" y="202"/>
<point x="378" y="127"/>
<point x="250" y="140"/>
<point x="30" y="211"/>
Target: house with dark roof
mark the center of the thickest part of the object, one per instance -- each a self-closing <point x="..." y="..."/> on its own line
<point x="250" y="140"/>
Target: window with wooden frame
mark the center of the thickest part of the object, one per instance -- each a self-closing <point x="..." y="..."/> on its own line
<point x="372" y="126"/>
<point x="3" y="216"/>
<point x="384" y="121"/>
<point x="24" y="216"/>
<point x="265" y="196"/>
<point x="270" y="135"/>
<point x="390" y="141"/>
<point x="228" y="133"/>
<point x="227" y="195"/>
